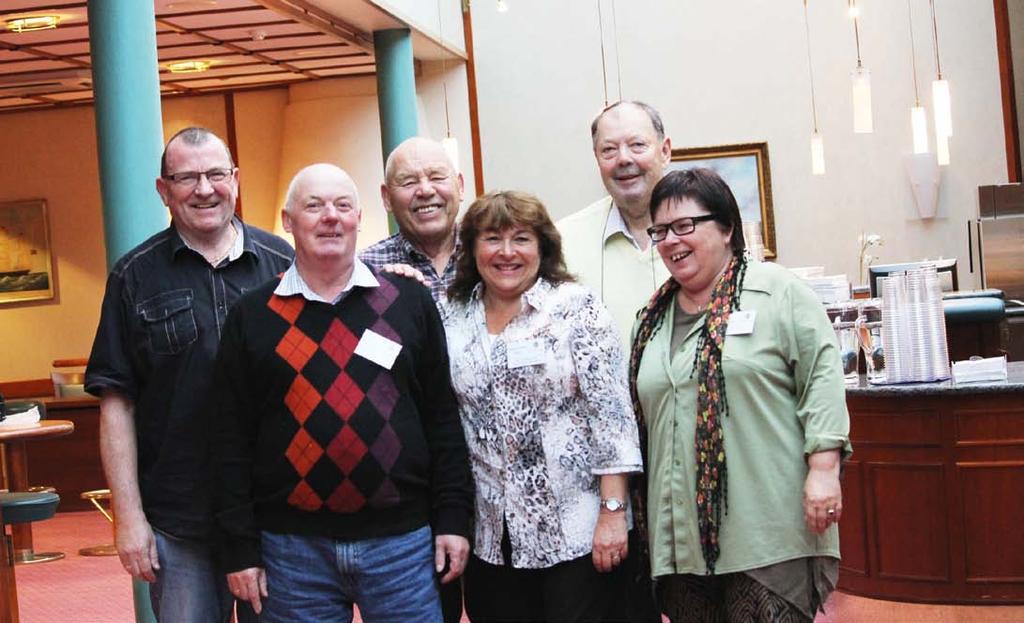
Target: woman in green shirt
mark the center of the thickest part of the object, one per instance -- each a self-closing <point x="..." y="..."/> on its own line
<point x="737" y="384"/>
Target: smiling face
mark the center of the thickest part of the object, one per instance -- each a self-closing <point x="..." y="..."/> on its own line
<point x="422" y="191"/>
<point x="322" y="213"/>
<point x="204" y="210"/>
<point x="508" y="260"/>
<point x="696" y="259"/>
<point x="630" y="156"/>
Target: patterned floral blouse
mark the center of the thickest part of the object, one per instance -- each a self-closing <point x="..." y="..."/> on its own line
<point x="546" y="412"/>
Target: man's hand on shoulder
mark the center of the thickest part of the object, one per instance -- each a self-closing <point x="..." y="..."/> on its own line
<point x="404" y="270"/>
<point x="456" y="549"/>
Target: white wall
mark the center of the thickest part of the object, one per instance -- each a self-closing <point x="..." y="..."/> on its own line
<point x="736" y="72"/>
<point x="422" y="15"/>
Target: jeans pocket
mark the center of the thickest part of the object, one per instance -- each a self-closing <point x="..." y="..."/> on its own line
<point x="168" y="320"/>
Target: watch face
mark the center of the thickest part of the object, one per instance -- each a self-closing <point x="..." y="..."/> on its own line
<point x="612" y="505"/>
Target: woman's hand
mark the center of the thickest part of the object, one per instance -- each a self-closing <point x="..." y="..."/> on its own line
<point x="611" y="544"/>
<point x="823" y="497"/>
<point x="404" y="270"/>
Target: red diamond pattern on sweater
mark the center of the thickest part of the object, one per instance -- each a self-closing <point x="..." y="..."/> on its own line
<point x="344" y="396"/>
<point x="305" y="498"/>
<point x="287" y="307"/>
<point x="296" y="348"/>
<point x="301" y="398"/>
<point x="339" y="343"/>
<point x="346" y="450"/>
<point x="346" y="498"/>
<point x="303" y="452"/>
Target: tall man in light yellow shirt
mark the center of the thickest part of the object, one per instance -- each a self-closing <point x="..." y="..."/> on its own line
<point x="606" y="244"/>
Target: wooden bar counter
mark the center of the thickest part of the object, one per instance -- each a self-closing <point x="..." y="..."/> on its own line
<point x="933" y="496"/>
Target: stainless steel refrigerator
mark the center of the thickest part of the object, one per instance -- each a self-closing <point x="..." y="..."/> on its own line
<point x="996" y="239"/>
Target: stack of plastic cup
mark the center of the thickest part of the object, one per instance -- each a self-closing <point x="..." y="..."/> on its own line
<point x="914" y="327"/>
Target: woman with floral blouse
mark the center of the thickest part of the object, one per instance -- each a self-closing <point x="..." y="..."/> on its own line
<point x="540" y="376"/>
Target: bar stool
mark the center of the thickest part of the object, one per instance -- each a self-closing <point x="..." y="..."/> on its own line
<point x="96" y="496"/>
<point x="18" y="508"/>
<point x="25" y="554"/>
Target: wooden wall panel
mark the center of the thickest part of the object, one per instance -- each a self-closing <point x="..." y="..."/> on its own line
<point x="993" y="510"/>
<point x="853" y="526"/>
<point x="910" y="501"/>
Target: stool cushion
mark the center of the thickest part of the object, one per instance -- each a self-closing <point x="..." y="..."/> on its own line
<point x="23" y="507"/>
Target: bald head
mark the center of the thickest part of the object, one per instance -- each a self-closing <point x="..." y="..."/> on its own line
<point x="322" y="175"/>
<point x="417" y="147"/>
<point x="422" y="191"/>
<point x="322" y="214"/>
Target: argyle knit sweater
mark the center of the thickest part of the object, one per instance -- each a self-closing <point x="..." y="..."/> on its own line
<point x="312" y="439"/>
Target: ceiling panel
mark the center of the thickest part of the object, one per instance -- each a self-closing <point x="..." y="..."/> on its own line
<point x="249" y="44"/>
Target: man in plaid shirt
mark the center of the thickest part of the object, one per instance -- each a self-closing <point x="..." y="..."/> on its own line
<point x="423" y="191"/>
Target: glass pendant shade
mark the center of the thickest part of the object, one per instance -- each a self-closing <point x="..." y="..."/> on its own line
<point x="942" y="149"/>
<point x="919" y="125"/>
<point x="862" y="123"/>
<point x="943" y="108"/>
<point x="817" y="154"/>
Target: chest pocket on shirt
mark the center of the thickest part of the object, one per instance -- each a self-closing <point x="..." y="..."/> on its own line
<point x="168" y="320"/>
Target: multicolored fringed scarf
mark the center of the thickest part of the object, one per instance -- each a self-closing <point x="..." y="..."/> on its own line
<point x="712" y="405"/>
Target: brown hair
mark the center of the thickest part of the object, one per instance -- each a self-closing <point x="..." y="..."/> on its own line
<point x="501" y="210"/>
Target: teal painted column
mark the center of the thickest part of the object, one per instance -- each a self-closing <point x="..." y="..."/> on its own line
<point x="129" y="126"/>
<point x="396" y="91"/>
<point x="129" y="141"/>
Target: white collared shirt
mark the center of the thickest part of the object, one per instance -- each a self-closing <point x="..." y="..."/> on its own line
<point x="292" y="283"/>
<point x="617" y="225"/>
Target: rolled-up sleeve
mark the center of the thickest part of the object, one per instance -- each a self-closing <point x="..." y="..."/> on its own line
<point x="601" y="370"/>
<point x="820" y="388"/>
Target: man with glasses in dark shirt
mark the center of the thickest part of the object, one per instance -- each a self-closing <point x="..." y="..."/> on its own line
<point x="165" y="305"/>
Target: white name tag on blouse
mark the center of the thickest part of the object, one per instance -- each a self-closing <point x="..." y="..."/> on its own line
<point x="525" y="353"/>
<point x="378" y="349"/>
<point x="741" y="322"/>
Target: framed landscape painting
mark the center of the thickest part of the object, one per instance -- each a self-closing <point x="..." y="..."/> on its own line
<point x="26" y="267"/>
<point x="745" y="169"/>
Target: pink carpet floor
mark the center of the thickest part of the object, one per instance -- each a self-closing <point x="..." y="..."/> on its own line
<point x="82" y="589"/>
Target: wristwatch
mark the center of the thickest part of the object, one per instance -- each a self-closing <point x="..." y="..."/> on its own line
<point x="613" y="505"/>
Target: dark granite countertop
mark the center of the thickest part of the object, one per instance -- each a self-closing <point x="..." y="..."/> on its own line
<point x="1013" y="384"/>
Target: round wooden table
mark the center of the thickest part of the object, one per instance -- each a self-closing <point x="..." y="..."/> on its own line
<point x="14" y="437"/>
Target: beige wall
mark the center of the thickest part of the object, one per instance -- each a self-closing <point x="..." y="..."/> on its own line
<point x="52" y="154"/>
<point x="736" y="72"/>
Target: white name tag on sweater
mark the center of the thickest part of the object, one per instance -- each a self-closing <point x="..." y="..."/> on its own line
<point x="378" y="349"/>
<point x="741" y="322"/>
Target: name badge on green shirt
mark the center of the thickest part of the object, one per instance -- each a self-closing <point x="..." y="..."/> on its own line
<point x="741" y="322"/>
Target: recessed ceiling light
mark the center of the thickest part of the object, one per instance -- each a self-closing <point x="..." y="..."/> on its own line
<point x="33" y="22"/>
<point x="190" y="4"/>
<point x="188" y="67"/>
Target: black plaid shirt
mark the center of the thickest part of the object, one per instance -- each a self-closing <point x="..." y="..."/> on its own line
<point x="398" y="250"/>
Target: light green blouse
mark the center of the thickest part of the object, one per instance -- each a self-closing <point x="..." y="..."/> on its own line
<point x="787" y="399"/>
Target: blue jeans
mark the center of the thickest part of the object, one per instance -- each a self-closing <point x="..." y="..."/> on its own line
<point x="189" y="587"/>
<point x="391" y="579"/>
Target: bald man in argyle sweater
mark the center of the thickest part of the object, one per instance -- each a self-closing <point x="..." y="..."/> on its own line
<point x="343" y="472"/>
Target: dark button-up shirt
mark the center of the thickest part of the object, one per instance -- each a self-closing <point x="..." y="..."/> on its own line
<point x="397" y="249"/>
<point x="157" y="339"/>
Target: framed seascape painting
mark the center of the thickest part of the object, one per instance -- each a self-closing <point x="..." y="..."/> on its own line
<point x="745" y="169"/>
<point x="26" y="266"/>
